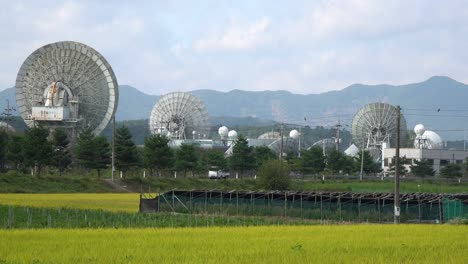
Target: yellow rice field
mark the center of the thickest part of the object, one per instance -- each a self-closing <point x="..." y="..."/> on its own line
<point x="274" y="244"/>
<point x="105" y="201"/>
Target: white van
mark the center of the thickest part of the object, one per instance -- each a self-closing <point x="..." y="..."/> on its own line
<point x="218" y="174"/>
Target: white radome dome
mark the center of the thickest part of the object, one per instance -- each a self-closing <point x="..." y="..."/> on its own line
<point x="232" y="134"/>
<point x="419" y="129"/>
<point x="294" y="134"/>
<point x="223" y="131"/>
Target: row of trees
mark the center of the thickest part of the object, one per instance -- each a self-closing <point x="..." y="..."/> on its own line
<point x="37" y="149"/>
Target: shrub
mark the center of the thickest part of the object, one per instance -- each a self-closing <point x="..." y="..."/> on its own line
<point x="274" y="175"/>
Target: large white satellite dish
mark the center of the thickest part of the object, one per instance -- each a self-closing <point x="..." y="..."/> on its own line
<point x="179" y="113"/>
<point x="375" y="124"/>
<point x="67" y="84"/>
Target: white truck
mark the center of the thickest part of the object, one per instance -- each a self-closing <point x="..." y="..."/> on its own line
<point x="218" y="174"/>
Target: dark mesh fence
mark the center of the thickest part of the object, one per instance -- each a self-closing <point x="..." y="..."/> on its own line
<point x="336" y="206"/>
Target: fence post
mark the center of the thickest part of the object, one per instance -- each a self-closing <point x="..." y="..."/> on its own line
<point x="419" y="209"/>
<point x="339" y="205"/>
<point x="237" y="202"/>
<point x="321" y="207"/>
<point x="221" y="202"/>
<point x="173" y="202"/>
<point x="378" y="206"/>
<point x="285" y="204"/>
<point x="359" y="209"/>
<point x="441" y="217"/>
<point x="251" y="203"/>
<point x="302" y="214"/>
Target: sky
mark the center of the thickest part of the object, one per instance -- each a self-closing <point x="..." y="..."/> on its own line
<point x="300" y="46"/>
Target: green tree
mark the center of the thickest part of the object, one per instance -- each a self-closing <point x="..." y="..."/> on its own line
<point x="335" y="161"/>
<point x="313" y="160"/>
<point x="61" y="157"/>
<point x="262" y="154"/>
<point x="37" y="149"/>
<point x="157" y="155"/>
<point x="401" y="165"/>
<point x="452" y="170"/>
<point x="465" y="168"/>
<point x="422" y="168"/>
<point x="369" y="165"/>
<point x="186" y="158"/>
<point x="214" y="158"/>
<point x="348" y="165"/>
<point x="102" y="154"/>
<point x="274" y="175"/>
<point x="85" y="149"/>
<point x="242" y="156"/>
<point x="15" y="151"/>
<point x="3" y="149"/>
<point x="126" y="155"/>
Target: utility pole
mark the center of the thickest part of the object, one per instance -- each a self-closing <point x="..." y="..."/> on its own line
<point x="281" y="145"/>
<point x="362" y="164"/>
<point x="300" y="134"/>
<point x="397" y="169"/>
<point x="338" y="127"/>
<point x="113" y="147"/>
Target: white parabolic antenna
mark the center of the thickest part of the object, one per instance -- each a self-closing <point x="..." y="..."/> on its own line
<point x="375" y="124"/>
<point x="180" y="113"/>
<point x="67" y="84"/>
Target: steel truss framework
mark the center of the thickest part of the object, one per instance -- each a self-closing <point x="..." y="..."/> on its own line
<point x="339" y="206"/>
<point x="86" y="72"/>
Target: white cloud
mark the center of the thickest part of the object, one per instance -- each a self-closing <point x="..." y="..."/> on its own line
<point x="303" y="47"/>
<point x="236" y="37"/>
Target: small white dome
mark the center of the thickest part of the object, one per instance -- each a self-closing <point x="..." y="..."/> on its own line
<point x="194" y="132"/>
<point x="419" y="129"/>
<point x="232" y="134"/>
<point x="223" y="131"/>
<point x="294" y="134"/>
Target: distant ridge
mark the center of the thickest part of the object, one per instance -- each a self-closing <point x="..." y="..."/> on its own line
<point x="418" y="100"/>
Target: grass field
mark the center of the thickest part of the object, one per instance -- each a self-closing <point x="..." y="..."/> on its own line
<point x="128" y="202"/>
<point x="296" y="244"/>
<point x="13" y="182"/>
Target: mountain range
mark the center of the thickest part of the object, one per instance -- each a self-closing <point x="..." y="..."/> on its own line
<point x="440" y="103"/>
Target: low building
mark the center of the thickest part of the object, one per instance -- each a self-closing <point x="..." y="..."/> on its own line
<point x="437" y="157"/>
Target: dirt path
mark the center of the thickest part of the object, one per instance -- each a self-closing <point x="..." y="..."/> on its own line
<point x="120" y="186"/>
